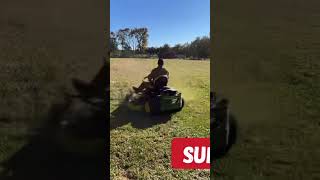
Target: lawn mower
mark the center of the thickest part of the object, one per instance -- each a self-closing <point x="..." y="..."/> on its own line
<point x="156" y="99"/>
<point x="222" y="124"/>
<point x="80" y="125"/>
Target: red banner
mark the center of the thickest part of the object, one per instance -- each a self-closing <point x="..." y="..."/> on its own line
<point x="190" y="153"/>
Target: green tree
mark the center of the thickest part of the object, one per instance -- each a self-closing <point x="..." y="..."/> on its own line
<point x="141" y="35"/>
<point x="133" y="39"/>
<point x="123" y="36"/>
<point x="113" y="44"/>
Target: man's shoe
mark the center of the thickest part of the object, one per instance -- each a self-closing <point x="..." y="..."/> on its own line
<point x="135" y="89"/>
<point x="84" y="88"/>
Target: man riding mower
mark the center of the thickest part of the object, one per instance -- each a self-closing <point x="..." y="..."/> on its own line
<point x="154" y="96"/>
<point x="156" y="73"/>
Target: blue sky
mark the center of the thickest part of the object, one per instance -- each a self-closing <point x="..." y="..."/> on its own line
<point x="168" y="21"/>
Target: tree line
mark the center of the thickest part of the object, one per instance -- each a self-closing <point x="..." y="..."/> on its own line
<point x="134" y="42"/>
<point x="127" y="39"/>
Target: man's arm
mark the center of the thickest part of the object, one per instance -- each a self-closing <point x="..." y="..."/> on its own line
<point x="167" y="73"/>
<point x="150" y="76"/>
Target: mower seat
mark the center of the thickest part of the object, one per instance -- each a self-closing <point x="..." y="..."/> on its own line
<point x="160" y="82"/>
<point x="168" y="91"/>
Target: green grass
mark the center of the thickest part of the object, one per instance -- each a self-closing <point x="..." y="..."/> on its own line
<point x="139" y="148"/>
<point x="28" y="87"/>
<point x="34" y="75"/>
<point x="267" y="64"/>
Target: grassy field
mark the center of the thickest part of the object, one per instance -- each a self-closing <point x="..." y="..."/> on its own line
<point x="33" y="82"/>
<point x="37" y="63"/>
<point x="140" y="144"/>
<point x="266" y="62"/>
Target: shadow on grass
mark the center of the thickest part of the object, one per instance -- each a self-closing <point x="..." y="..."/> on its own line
<point x="41" y="158"/>
<point x="140" y="120"/>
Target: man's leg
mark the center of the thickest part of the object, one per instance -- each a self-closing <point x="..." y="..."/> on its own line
<point x="97" y="86"/>
<point x="100" y="80"/>
<point x="142" y="86"/>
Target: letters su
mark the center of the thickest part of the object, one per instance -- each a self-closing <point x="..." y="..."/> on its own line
<point x="193" y="154"/>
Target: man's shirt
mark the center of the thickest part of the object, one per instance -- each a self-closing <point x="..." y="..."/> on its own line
<point x="156" y="72"/>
